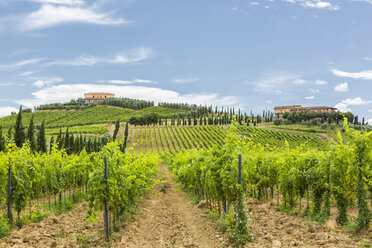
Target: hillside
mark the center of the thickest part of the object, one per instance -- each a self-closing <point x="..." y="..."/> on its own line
<point x="94" y="115"/>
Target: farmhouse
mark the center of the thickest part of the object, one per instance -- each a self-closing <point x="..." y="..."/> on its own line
<point x="96" y="96"/>
<point x="280" y="110"/>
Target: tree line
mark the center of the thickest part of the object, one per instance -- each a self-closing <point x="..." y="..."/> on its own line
<point x="37" y="141"/>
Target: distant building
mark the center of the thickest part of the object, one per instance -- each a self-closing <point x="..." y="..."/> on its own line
<point x="280" y="110"/>
<point x="96" y="96"/>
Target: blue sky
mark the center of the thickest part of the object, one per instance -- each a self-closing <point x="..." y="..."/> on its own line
<point x="248" y="54"/>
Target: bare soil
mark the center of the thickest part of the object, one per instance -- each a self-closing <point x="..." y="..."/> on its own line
<point x="168" y="219"/>
<point x="272" y="228"/>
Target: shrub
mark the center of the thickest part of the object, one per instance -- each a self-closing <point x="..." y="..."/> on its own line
<point x="278" y="122"/>
<point x="4" y="227"/>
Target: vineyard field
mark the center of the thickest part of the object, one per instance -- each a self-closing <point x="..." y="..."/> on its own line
<point x="88" y="116"/>
<point x="172" y="138"/>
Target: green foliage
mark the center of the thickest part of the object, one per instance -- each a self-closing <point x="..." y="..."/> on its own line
<point x="31" y="134"/>
<point x="19" y="130"/>
<point x="117" y="126"/>
<point x="343" y="172"/>
<point x="78" y="130"/>
<point x="129" y="176"/>
<point x="41" y="141"/>
<point x="93" y="115"/>
<point x="4" y="227"/>
<point x="237" y="224"/>
<point x="2" y="141"/>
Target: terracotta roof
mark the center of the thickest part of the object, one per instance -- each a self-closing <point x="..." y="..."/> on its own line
<point x="311" y="108"/>
<point x="99" y="93"/>
<point x="285" y="107"/>
<point x="95" y="98"/>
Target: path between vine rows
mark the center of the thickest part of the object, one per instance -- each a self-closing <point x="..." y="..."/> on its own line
<point x="169" y="219"/>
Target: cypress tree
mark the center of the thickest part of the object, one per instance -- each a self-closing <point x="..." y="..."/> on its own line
<point x="67" y="141"/>
<point x="59" y="139"/>
<point x="88" y="147"/>
<point x="125" y="137"/>
<point x="9" y="135"/>
<point x="19" y="130"/>
<point x="117" y="126"/>
<point x="2" y="141"/>
<point x="41" y="142"/>
<point x="51" y="144"/>
<point x="71" y="145"/>
<point x="31" y="134"/>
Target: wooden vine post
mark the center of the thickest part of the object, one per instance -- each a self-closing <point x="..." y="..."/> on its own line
<point x="105" y="211"/>
<point x="9" y="193"/>
<point x="240" y="169"/>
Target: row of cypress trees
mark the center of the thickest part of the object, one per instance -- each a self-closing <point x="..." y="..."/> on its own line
<point x="20" y="136"/>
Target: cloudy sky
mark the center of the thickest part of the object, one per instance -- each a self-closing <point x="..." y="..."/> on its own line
<point x="248" y="54"/>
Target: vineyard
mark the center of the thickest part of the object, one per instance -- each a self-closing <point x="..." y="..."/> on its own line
<point x="224" y="168"/>
<point x="341" y="176"/>
<point x="88" y="116"/>
<point x="172" y="138"/>
<point x="27" y="179"/>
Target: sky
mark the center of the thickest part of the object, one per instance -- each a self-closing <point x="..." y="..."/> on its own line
<point x="252" y="55"/>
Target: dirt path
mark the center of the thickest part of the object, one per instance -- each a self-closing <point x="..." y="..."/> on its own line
<point x="170" y="220"/>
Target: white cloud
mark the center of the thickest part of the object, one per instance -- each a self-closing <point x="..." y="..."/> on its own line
<point x="320" y="5"/>
<point x="47" y="81"/>
<point x="20" y="64"/>
<point x="369" y="121"/>
<point x="356" y="101"/>
<point x="310" y="97"/>
<point x="61" y="2"/>
<point x="344" y="105"/>
<point x="366" y="1"/>
<point x="315" y="90"/>
<point x="367" y="74"/>
<point x="26" y="73"/>
<point x="50" y="15"/>
<point x="268" y="101"/>
<point x="370" y="110"/>
<point x="127" y="82"/>
<point x="299" y="81"/>
<point x="4" y="111"/>
<point x="368" y="59"/>
<point x="341" y="87"/>
<point x="133" y="56"/>
<point x="315" y="4"/>
<point x="277" y="82"/>
<point x="320" y="82"/>
<point x="185" y="80"/>
<point x="66" y="92"/>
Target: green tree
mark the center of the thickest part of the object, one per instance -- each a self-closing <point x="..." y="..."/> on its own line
<point x="59" y="139"/>
<point x="125" y="137"/>
<point x="117" y="126"/>
<point x="2" y="141"/>
<point x="9" y="134"/>
<point x="51" y="144"/>
<point x="31" y="134"/>
<point x="67" y="141"/>
<point x="19" y="130"/>
<point x="41" y="142"/>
